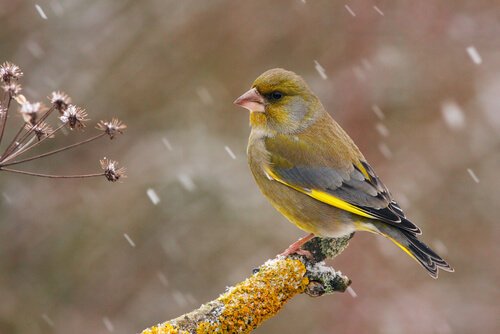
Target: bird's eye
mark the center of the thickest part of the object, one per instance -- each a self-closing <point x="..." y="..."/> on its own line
<point x="276" y="95"/>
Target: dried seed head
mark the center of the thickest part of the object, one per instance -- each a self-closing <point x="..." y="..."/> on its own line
<point x="74" y="116"/>
<point x="111" y="170"/>
<point x="12" y="88"/>
<point x="9" y="71"/>
<point x="60" y="101"/>
<point x="30" y="111"/>
<point x="42" y="130"/>
<point x="111" y="128"/>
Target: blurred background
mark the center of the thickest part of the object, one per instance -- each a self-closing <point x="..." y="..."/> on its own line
<point x="416" y="84"/>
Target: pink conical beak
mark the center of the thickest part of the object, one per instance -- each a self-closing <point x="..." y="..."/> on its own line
<point x="251" y="100"/>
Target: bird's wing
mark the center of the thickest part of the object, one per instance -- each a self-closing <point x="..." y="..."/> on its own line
<point x="354" y="187"/>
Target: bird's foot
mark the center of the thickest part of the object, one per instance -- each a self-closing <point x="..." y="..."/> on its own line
<point x="295" y="248"/>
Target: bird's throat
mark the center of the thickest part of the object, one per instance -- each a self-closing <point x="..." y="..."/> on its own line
<point x="258" y="120"/>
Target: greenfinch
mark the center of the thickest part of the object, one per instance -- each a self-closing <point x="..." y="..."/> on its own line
<point x="311" y="171"/>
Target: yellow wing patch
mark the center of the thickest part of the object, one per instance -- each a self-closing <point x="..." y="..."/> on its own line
<point x="323" y="197"/>
<point x="336" y="202"/>
<point x="363" y="170"/>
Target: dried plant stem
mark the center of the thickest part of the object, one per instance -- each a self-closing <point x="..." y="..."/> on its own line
<point x="4" y="119"/>
<point x="54" y="151"/>
<point x="26" y="148"/>
<point x="15" y="143"/>
<point x="35" y="129"/>
<point x="50" y="175"/>
<point x="11" y="156"/>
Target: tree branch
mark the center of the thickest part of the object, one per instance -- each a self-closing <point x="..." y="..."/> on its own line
<point x="247" y="305"/>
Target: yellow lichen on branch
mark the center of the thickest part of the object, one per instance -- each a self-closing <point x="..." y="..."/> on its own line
<point x="247" y="305"/>
<point x="259" y="297"/>
<point x="164" y="329"/>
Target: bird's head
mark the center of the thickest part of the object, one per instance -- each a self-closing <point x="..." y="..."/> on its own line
<point x="280" y="102"/>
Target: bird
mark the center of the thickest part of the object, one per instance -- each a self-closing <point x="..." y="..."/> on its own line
<point x="313" y="173"/>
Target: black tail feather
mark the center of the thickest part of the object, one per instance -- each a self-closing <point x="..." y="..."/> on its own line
<point x="425" y="255"/>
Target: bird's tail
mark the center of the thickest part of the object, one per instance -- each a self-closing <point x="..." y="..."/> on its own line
<point x="409" y="243"/>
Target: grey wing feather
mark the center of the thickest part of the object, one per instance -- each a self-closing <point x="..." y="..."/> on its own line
<point x="348" y="187"/>
<point x="370" y="195"/>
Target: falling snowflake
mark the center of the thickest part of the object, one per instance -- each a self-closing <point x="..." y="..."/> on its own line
<point x="320" y="70"/>
<point x="474" y="55"/>
<point x="108" y="324"/>
<point x="350" y="10"/>
<point x="473" y="175"/>
<point x="378" y="111"/>
<point x="49" y="321"/>
<point x="153" y="196"/>
<point x="230" y="152"/>
<point x="351" y="292"/>
<point x="385" y="150"/>
<point x="453" y="115"/>
<point x="378" y="10"/>
<point x="204" y="95"/>
<point x="40" y="12"/>
<point x="129" y="239"/>
<point x="186" y="182"/>
<point x="382" y="129"/>
<point x="167" y="144"/>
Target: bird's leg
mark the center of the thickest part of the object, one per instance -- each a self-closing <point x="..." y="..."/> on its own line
<point x="295" y="247"/>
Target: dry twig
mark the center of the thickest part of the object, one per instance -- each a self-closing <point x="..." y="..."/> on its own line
<point x="35" y="129"/>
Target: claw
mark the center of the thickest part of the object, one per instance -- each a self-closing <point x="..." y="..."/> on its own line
<point x="295" y="248"/>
